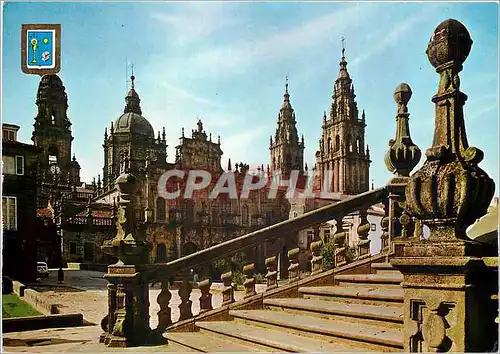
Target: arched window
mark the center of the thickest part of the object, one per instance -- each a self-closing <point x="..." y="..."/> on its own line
<point x="349" y="143"/>
<point x="244" y="215"/>
<point x="337" y="142"/>
<point x="161" y="212"/>
<point x="329" y="145"/>
<point x="359" y="145"/>
<point x="161" y="253"/>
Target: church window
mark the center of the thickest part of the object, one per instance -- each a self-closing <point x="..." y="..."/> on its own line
<point x="160" y="209"/>
<point x="359" y="145"/>
<point x="329" y="145"/>
<point x="349" y="143"/>
<point x="337" y="142"/>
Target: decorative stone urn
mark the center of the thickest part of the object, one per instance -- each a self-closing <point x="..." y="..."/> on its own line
<point x="450" y="191"/>
<point x="450" y="282"/>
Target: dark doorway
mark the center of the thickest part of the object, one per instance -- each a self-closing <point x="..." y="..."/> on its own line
<point x="283" y="263"/>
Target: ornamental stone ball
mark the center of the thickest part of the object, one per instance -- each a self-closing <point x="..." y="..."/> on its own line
<point x="450" y="42"/>
<point x="127" y="183"/>
<point x="402" y="94"/>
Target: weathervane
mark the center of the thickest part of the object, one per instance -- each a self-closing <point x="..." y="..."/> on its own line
<point x="343" y="45"/>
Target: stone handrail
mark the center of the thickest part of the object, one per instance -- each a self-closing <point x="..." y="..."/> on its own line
<point x="279" y="230"/>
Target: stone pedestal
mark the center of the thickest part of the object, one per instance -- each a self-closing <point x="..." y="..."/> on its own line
<point x="448" y="304"/>
<point x="127" y="321"/>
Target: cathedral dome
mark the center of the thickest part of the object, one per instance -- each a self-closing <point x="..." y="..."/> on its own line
<point x="133" y="123"/>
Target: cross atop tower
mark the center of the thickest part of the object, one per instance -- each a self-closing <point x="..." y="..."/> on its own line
<point x="286" y="83"/>
<point x="343" y="46"/>
<point x="132" y="77"/>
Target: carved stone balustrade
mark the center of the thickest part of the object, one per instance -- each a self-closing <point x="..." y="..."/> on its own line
<point x="185" y="307"/>
<point x="249" y="284"/>
<point x="293" y="268"/>
<point x="340" y="238"/>
<point x="272" y="274"/>
<point x="317" y="258"/>
<point x="165" y="313"/>
<point x="206" y="296"/>
<point x="363" y="231"/>
<point x="228" y="290"/>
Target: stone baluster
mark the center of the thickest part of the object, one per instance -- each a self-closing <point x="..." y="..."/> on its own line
<point x="249" y="284"/>
<point x="401" y="158"/>
<point x="272" y="274"/>
<point x="228" y="290"/>
<point x="185" y="289"/>
<point x="339" y="238"/>
<point x="293" y="268"/>
<point x="418" y="233"/>
<point x="363" y="231"/>
<point x="165" y="313"/>
<point x="384" y="226"/>
<point x="407" y="226"/>
<point x="447" y="279"/>
<point x="317" y="259"/>
<point x="206" y="296"/>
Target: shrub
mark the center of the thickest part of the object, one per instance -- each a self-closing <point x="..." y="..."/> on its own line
<point x="328" y="253"/>
<point x="238" y="278"/>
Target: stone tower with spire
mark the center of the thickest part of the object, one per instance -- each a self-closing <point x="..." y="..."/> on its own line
<point x="342" y="144"/>
<point x="286" y="150"/>
<point x="131" y="140"/>
<point x="52" y="132"/>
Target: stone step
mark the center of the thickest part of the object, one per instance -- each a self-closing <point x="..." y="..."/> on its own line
<point x="206" y="342"/>
<point x="385" y="280"/>
<point x="372" y="338"/>
<point x="384" y="268"/>
<point x="351" y="294"/>
<point x="387" y="316"/>
<point x="275" y="340"/>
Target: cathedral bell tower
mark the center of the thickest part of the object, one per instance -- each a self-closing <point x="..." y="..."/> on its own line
<point x="342" y="144"/>
<point x="287" y="151"/>
<point x="52" y="131"/>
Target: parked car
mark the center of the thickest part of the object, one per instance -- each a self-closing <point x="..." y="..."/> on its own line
<point x="42" y="269"/>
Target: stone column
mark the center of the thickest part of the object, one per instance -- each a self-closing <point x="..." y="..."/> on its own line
<point x="127" y="322"/>
<point x="448" y="281"/>
<point x="402" y="157"/>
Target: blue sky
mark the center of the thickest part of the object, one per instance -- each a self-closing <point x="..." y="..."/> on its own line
<point x="226" y="63"/>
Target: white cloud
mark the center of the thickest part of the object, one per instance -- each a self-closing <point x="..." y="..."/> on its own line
<point x="196" y="20"/>
<point x="289" y="42"/>
<point x="392" y="37"/>
<point x="189" y="95"/>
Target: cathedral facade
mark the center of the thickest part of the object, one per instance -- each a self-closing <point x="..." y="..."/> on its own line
<point x="177" y="227"/>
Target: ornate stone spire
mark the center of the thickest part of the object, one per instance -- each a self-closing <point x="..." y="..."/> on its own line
<point x="403" y="155"/>
<point x="132" y="100"/>
<point x="286" y="149"/>
<point x="344" y="104"/>
<point x="450" y="191"/>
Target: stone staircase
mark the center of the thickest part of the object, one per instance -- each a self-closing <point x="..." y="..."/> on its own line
<point x="361" y="312"/>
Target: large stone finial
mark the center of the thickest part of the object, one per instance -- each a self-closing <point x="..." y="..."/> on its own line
<point x="403" y="155"/>
<point x="450" y="191"/>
